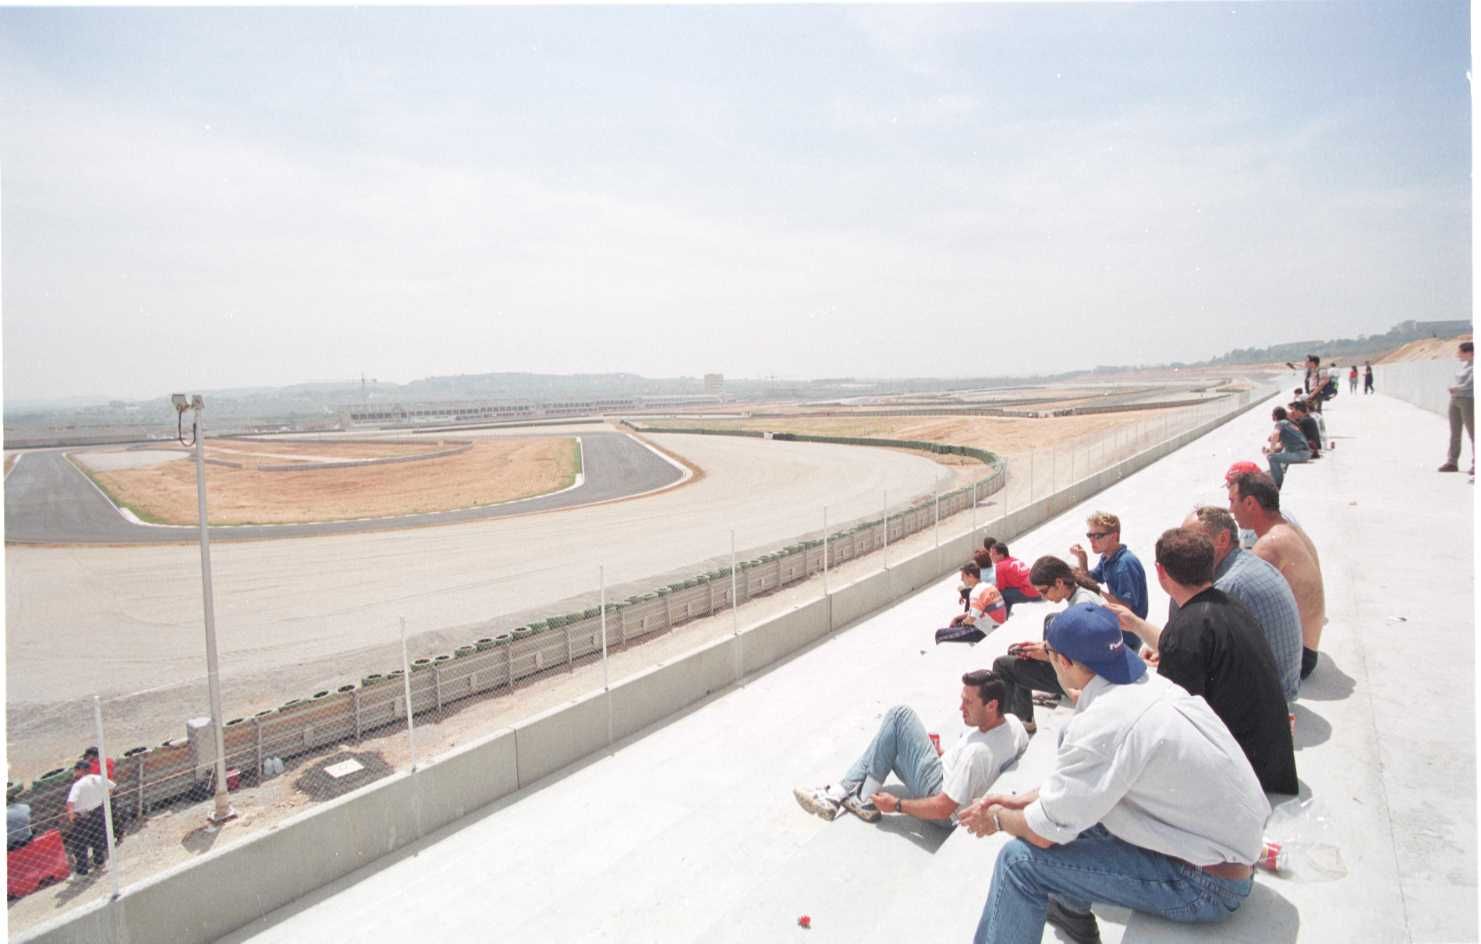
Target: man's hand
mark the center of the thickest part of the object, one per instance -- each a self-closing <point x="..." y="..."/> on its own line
<point x="1078" y="553"/>
<point x="976" y="818"/>
<point x="1029" y="650"/>
<point x="1009" y="801"/>
<point x="886" y="802"/>
<point x="957" y="619"/>
<point x="1150" y="655"/>
<point x="1111" y="599"/>
<point x="1124" y="616"/>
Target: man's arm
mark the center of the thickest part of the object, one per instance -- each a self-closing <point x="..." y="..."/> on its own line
<point x="939" y="806"/>
<point x="1130" y="622"/>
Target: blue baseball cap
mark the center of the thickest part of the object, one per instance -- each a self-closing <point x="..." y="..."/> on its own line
<point x="1091" y="634"/>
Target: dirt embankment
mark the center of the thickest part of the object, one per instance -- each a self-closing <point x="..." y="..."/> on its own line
<point x="1428" y="349"/>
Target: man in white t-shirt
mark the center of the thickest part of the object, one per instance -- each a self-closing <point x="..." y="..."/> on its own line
<point x="86" y="827"/>
<point x="937" y="783"/>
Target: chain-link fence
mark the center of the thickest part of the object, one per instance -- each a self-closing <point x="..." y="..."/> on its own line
<point x="424" y="689"/>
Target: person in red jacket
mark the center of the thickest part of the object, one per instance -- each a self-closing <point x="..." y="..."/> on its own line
<point x="1011" y="575"/>
<point x="91" y="756"/>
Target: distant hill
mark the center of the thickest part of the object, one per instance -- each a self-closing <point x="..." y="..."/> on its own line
<point x="1362" y="347"/>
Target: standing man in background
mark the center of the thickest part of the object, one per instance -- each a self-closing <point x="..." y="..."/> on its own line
<point x="1462" y="410"/>
<point x="1367" y="377"/>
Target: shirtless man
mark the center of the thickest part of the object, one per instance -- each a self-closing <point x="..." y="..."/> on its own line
<point x="1255" y="503"/>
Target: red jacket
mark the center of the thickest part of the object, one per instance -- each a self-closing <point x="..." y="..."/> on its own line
<point x="94" y="768"/>
<point x="1012" y="572"/>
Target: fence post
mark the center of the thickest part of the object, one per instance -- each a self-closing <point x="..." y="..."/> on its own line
<point x="885" y="518"/>
<point x="974" y="507"/>
<point x="108" y="794"/>
<point x="606" y="679"/>
<point x="406" y="683"/>
<point x="825" y="550"/>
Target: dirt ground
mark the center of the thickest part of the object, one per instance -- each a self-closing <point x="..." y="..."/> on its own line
<point x="493" y="470"/>
<point x="1430" y="349"/>
<point x="1006" y="436"/>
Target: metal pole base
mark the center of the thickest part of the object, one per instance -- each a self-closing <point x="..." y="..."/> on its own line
<point x="220" y="817"/>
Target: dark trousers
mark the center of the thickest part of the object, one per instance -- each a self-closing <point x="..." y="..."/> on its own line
<point x="1021" y="678"/>
<point x="1014" y="595"/>
<point x="959" y="633"/>
<point x="88" y="833"/>
<point x="1308" y="661"/>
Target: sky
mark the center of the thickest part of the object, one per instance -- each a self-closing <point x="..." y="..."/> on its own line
<point x="196" y="199"/>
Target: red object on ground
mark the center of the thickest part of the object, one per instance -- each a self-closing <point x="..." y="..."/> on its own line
<point x="233" y="776"/>
<point x="30" y="866"/>
<point x="804" y="921"/>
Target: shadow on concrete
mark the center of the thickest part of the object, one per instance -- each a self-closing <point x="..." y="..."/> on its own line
<point x="75" y="885"/>
<point x="923" y="834"/>
<point x="1311" y="728"/>
<point x="201" y="839"/>
<point x="1327" y="682"/>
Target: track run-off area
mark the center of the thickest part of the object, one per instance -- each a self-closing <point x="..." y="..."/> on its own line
<point x="293" y="614"/>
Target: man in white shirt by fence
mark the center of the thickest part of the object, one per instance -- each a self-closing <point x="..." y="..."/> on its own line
<point x="86" y="826"/>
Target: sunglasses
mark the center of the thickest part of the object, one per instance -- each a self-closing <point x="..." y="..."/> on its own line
<point x="1096" y="535"/>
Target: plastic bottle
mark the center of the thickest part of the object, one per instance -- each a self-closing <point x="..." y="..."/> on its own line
<point x="1303" y="861"/>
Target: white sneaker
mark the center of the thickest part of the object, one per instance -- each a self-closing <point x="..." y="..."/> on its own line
<point x="862" y="808"/>
<point x="817" y="802"/>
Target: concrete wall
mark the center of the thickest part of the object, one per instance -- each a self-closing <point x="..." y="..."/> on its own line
<point x="1422" y="383"/>
<point x="225" y="889"/>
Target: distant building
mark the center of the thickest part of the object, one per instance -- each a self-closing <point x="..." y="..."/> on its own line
<point x="714" y="383"/>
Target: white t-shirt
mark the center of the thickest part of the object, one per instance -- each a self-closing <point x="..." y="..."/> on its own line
<point x="86" y="794"/>
<point x="970" y="766"/>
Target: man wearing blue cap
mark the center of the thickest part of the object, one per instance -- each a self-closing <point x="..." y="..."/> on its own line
<point x="1151" y="805"/>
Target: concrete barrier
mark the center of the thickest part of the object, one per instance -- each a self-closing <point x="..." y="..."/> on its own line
<point x="1423" y="383"/>
<point x="233" y="886"/>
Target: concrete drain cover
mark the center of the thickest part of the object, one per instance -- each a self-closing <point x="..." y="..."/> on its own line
<point x="344" y="768"/>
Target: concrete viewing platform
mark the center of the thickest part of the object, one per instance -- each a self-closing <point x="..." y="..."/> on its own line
<point x="689" y="832"/>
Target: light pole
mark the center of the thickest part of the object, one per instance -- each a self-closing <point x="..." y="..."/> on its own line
<point x="197" y="405"/>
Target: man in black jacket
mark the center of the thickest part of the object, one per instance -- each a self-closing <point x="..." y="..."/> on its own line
<point x="1213" y="647"/>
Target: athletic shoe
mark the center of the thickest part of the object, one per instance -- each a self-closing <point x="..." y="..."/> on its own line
<point x="862" y="808"/>
<point x="817" y="802"/>
<point x="1078" y="926"/>
<point x="1448" y="467"/>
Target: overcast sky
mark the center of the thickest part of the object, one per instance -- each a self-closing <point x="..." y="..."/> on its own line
<point x="196" y="199"/>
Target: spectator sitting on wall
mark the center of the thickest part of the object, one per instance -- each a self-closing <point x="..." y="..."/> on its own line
<point x="1254" y="501"/>
<point x="1010" y="574"/>
<point x="1212" y="646"/>
<point x="1025" y="669"/>
<point x="1151" y="804"/>
<point x="985" y="609"/>
<point x="1299" y="412"/>
<point x="1118" y="568"/>
<point x="1287" y="445"/>
<point x="1256" y="584"/>
<point x="937" y="783"/>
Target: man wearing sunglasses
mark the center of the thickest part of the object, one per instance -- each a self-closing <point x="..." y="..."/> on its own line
<point x="1118" y="569"/>
<point x="1151" y="804"/>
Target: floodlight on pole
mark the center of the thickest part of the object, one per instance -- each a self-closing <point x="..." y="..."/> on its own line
<point x="197" y="405"/>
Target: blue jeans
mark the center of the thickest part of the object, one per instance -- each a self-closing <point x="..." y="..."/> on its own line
<point x="1014" y="595"/>
<point x="1279" y="461"/>
<point x="1097" y="867"/>
<point x="902" y="747"/>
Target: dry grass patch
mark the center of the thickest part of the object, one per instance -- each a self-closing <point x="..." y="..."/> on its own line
<point x="497" y="469"/>
<point x="1006" y="436"/>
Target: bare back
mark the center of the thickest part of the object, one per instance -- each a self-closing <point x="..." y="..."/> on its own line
<point x="1291" y="552"/>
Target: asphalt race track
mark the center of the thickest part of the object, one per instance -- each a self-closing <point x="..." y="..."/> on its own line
<point x="48" y="501"/>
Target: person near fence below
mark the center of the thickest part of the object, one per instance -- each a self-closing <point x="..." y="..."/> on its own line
<point x="985" y="609"/>
<point x="1255" y="503"/>
<point x="1287" y="445"/>
<point x="1011" y="576"/>
<point x="1118" y="568"/>
<point x="1212" y="646"/>
<point x="1258" y="586"/>
<point x="1299" y="413"/>
<point x="86" y="823"/>
<point x="1025" y="669"/>
<point x="91" y="756"/>
<point x="937" y="783"/>
<point x="1367" y="378"/>
<point x="1462" y="410"/>
<point x="1151" y="804"/>
<point x="17" y="820"/>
